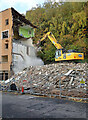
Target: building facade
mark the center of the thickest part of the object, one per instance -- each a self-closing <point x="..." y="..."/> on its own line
<point x="14" y="28"/>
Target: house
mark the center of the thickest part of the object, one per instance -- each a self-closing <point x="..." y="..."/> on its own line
<point x="16" y="34"/>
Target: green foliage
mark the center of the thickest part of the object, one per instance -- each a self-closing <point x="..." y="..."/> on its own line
<point x="66" y="20"/>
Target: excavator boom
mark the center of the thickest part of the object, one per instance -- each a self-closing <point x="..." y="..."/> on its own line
<point x="52" y="39"/>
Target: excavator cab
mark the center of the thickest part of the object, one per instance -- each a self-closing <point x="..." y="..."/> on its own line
<point x="59" y="53"/>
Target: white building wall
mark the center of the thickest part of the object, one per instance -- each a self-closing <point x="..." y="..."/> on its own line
<point x="24" y="55"/>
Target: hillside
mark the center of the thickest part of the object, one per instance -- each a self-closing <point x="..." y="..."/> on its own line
<point x="67" y="21"/>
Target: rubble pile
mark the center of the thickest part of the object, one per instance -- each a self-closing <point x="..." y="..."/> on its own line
<point x="67" y="79"/>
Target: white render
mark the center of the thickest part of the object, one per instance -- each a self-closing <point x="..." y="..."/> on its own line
<point x="24" y="55"/>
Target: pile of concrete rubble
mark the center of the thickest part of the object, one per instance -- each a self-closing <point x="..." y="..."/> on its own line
<point x="67" y="79"/>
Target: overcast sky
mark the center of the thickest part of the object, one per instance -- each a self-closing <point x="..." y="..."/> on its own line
<point x="23" y="5"/>
<point x="20" y="5"/>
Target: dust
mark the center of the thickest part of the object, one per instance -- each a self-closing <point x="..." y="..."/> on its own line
<point x="25" y="56"/>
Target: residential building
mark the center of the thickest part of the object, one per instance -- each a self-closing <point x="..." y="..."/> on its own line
<point x="15" y="32"/>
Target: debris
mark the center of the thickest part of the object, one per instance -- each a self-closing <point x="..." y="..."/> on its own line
<point x="13" y="86"/>
<point x="53" y="79"/>
<point x="68" y="73"/>
<point x="71" y="81"/>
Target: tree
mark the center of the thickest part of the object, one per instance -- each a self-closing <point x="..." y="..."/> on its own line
<point x="66" y="20"/>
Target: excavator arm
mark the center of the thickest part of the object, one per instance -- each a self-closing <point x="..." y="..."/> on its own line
<point x="52" y="39"/>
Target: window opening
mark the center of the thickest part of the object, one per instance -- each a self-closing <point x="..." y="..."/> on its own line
<point x="4" y="34"/>
<point x="29" y="32"/>
<point x="5" y="58"/>
<point x="1" y="76"/>
<point x="7" y="21"/>
<point x="6" y="76"/>
<point x="6" y="46"/>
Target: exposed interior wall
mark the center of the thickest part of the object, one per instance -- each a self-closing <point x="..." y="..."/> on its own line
<point x="23" y="52"/>
<point x="27" y="42"/>
<point x="24" y="55"/>
<point x="26" y="31"/>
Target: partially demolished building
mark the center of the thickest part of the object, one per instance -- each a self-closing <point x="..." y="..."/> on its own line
<point x="16" y="33"/>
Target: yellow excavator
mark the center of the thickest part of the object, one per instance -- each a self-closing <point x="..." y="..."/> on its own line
<point x="60" y="54"/>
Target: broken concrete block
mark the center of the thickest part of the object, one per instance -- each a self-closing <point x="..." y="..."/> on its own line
<point x="68" y="73"/>
<point x="72" y="78"/>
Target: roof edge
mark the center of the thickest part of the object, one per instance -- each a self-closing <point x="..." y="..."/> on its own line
<point x="23" y="17"/>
